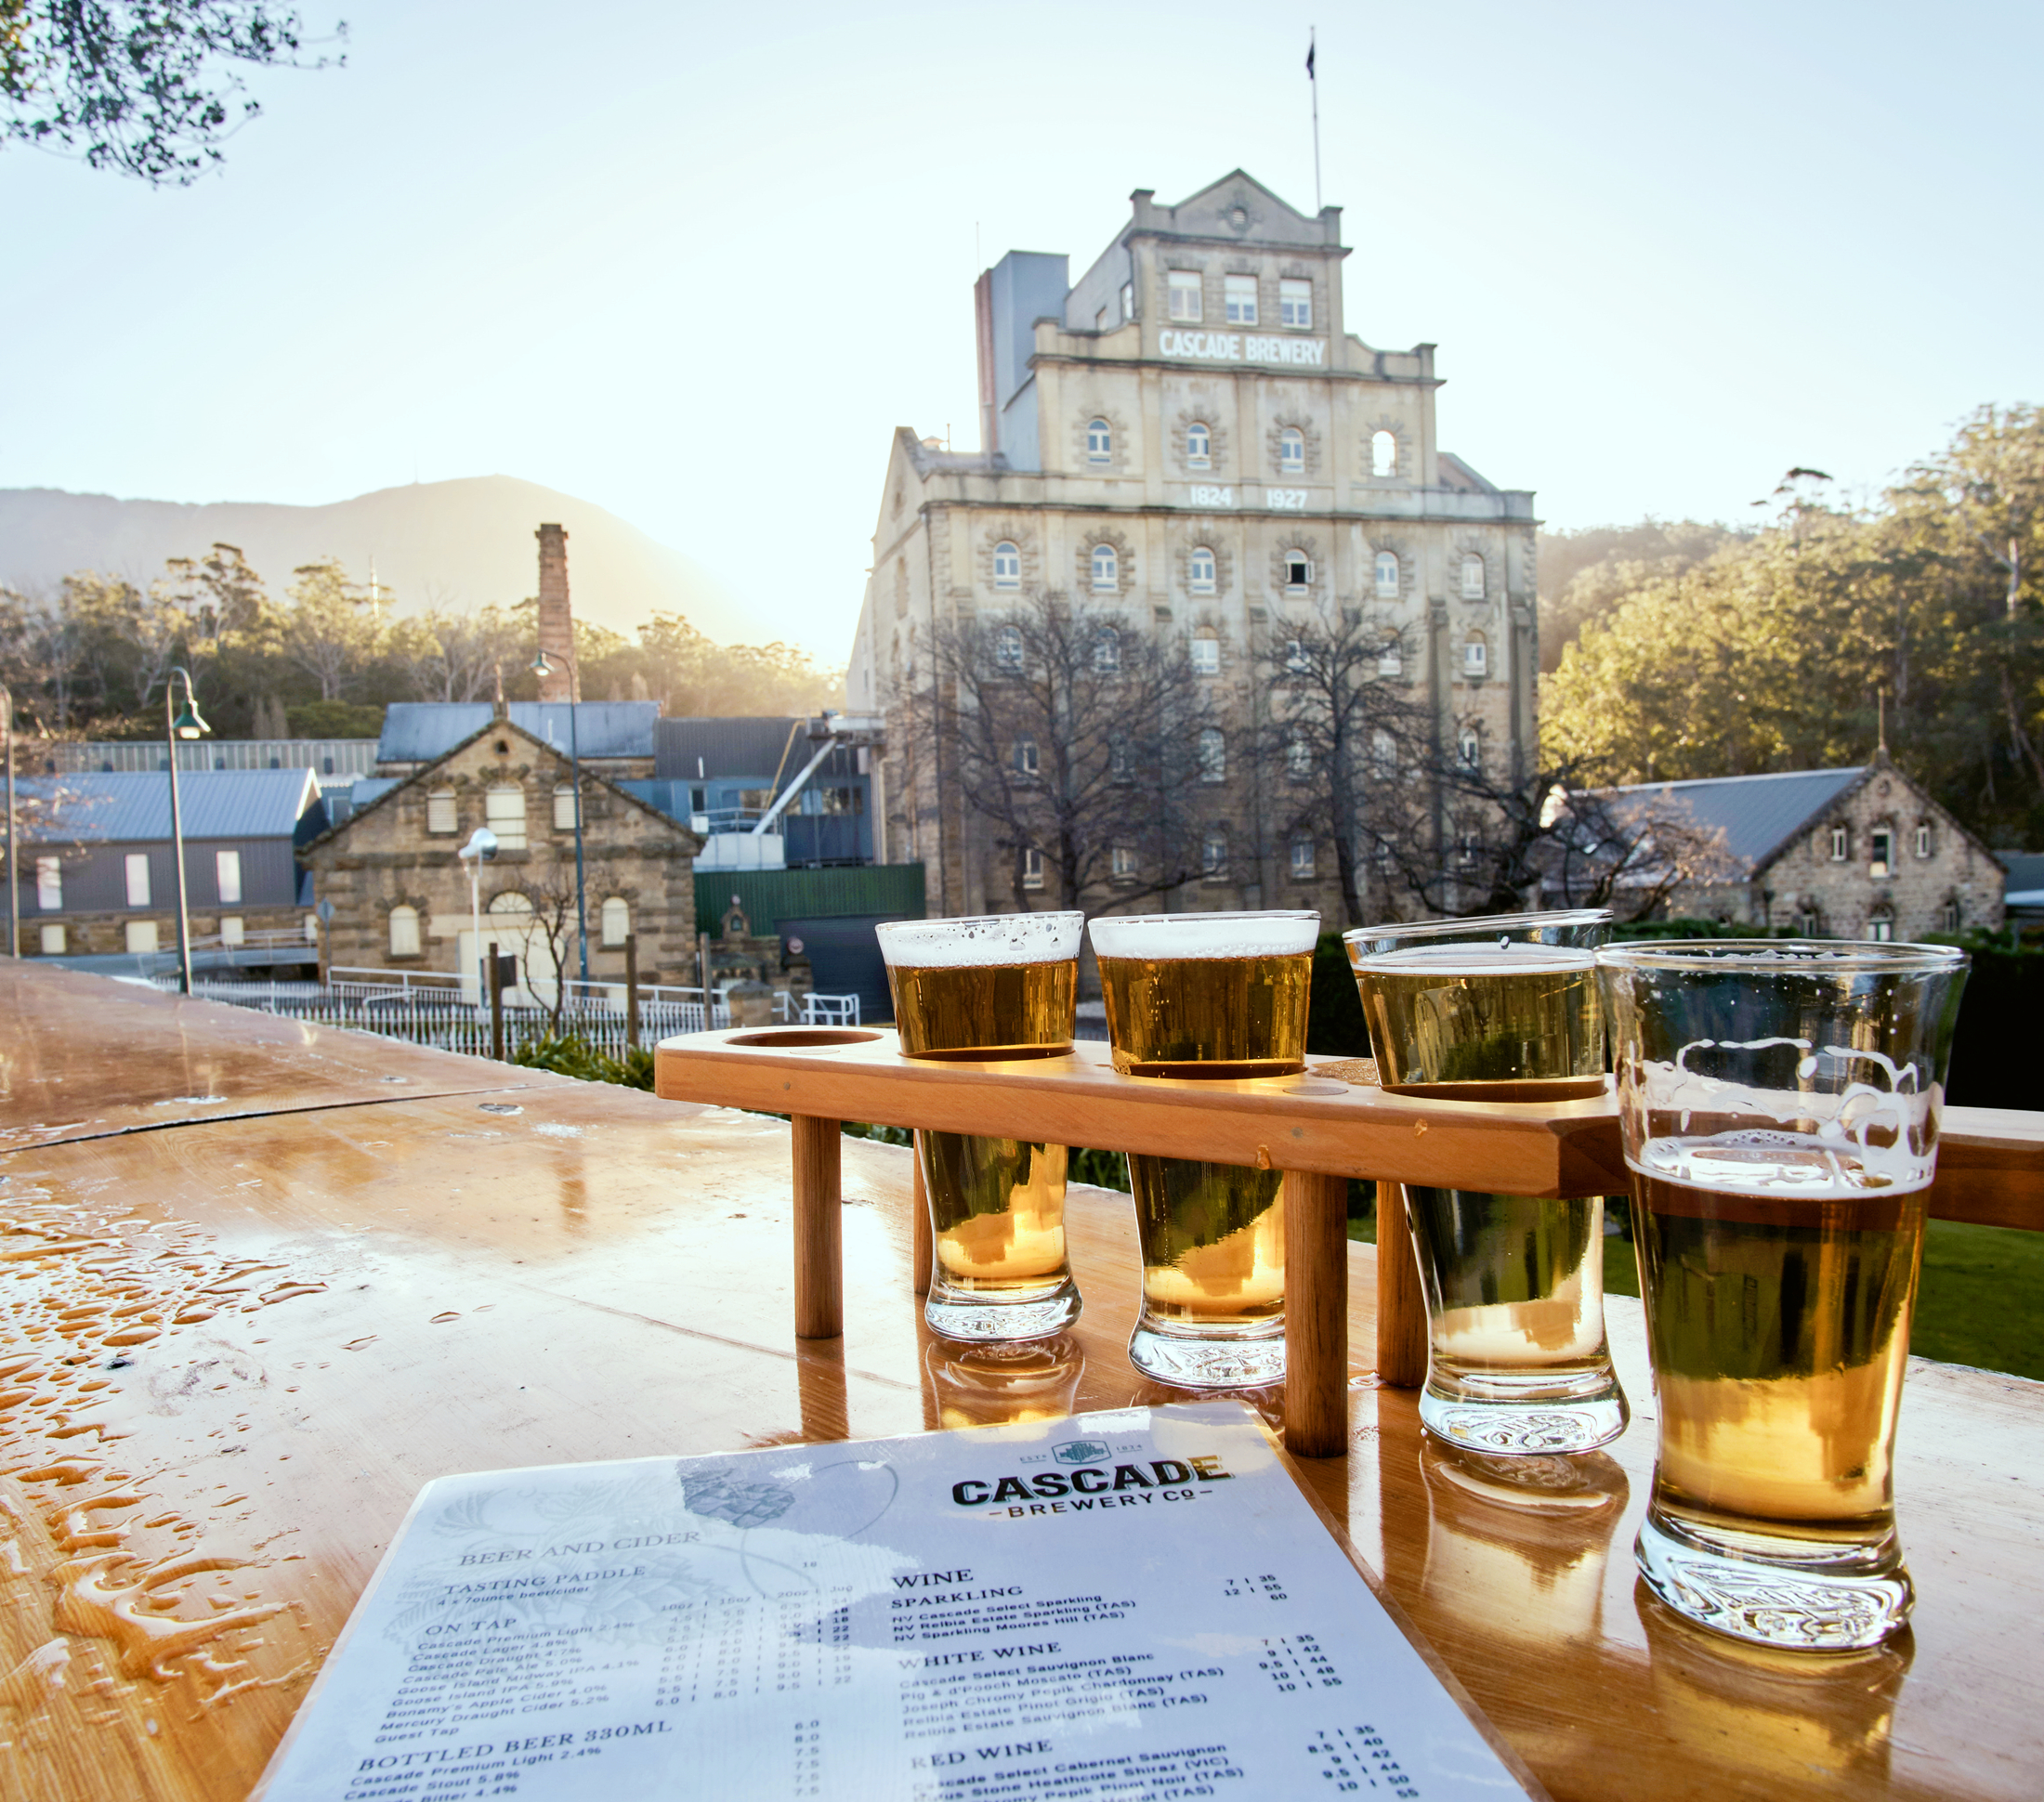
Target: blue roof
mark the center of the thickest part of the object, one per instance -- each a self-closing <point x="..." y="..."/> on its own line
<point x="1757" y="814"/>
<point x="423" y="731"/>
<point x="133" y="807"/>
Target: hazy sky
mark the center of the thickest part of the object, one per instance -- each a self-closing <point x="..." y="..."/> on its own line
<point x="696" y="263"/>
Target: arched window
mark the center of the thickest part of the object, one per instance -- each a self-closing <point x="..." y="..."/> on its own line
<point x="1391" y="660"/>
<point x="1302" y="859"/>
<point x="1881" y="926"/>
<point x="1298" y="571"/>
<point x="1007" y="565"/>
<point x="1475" y="656"/>
<point x="1298" y="757"/>
<point x="404" y="932"/>
<point x="1469" y="748"/>
<point x="1206" y="652"/>
<point x="440" y="812"/>
<point x="1007" y="650"/>
<point x="1106" y="651"/>
<point x="1204" y="580"/>
<point x="1473" y="578"/>
<point x="617" y="919"/>
<point x="1214" y="855"/>
<point x="1384" y="454"/>
<point x="1198" y="446"/>
<point x="564" y="807"/>
<point x="1106" y="569"/>
<point x="1387" y="575"/>
<point x="503" y="813"/>
<point x="1214" y="754"/>
<point x="1099" y="441"/>
<point x="1291" y="452"/>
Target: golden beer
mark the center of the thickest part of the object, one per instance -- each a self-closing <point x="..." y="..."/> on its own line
<point x="987" y="990"/>
<point x="1207" y="997"/>
<point x="1516" y="1357"/>
<point x="1779" y="1100"/>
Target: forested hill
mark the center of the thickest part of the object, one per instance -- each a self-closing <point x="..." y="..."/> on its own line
<point x="456" y="544"/>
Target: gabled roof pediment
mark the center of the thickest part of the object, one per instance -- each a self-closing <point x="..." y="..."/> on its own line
<point x="1239" y="207"/>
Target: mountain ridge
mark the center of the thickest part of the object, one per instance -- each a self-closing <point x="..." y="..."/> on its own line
<point x="467" y="542"/>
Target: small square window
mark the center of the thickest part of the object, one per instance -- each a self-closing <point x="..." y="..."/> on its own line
<point x="1241" y="295"/>
<point x="53" y="941"/>
<point x="141" y="938"/>
<point x="233" y="929"/>
<point x="1032" y="869"/>
<point x="1184" y="295"/>
<point x="1295" y="304"/>
<point x="1206" y="655"/>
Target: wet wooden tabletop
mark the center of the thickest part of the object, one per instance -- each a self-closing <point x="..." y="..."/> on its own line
<point x="64" y="1074"/>
<point x="232" y="1349"/>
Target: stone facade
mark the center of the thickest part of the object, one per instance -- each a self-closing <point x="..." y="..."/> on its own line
<point x="399" y="853"/>
<point x="1830" y="877"/>
<point x="1213" y="453"/>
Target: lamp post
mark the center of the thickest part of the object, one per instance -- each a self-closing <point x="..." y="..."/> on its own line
<point x="184" y="725"/>
<point x="479" y="850"/>
<point x="14" y="862"/>
<point x="543" y="668"/>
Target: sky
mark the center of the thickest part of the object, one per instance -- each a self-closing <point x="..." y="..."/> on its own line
<point x="696" y="263"/>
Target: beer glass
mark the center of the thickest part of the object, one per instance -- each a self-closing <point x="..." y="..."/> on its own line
<point x="1780" y="1102"/>
<point x="1501" y="1007"/>
<point x="1208" y="996"/>
<point x="989" y="990"/>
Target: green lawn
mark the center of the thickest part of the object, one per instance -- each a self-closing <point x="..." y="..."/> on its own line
<point x="1982" y="1299"/>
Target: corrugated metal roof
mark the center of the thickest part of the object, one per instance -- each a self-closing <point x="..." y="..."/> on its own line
<point x="728" y="748"/>
<point x="2025" y="870"/>
<point x="420" y="731"/>
<point x="1756" y="813"/>
<point x="134" y="808"/>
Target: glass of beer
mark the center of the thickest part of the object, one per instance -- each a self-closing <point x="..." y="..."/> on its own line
<point x="1501" y="1007"/>
<point x="989" y="990"/>
<point x="1780" y="1102"/>
<point x="1208" y="996"/>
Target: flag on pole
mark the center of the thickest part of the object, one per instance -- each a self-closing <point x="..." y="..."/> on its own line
<point x="1310" y="76"/>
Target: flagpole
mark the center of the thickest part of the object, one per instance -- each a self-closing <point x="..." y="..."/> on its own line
<point x="1313" y="81"/>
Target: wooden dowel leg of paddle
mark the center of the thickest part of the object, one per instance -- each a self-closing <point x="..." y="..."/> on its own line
<point x="820" y="1229"/>
<point x="1401" y="1308"/>
<point x="923" y="1248"/>
<point x="1316" y="1315"/>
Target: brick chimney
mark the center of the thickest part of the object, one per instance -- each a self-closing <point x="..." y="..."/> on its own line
<point x="556" y="622"/>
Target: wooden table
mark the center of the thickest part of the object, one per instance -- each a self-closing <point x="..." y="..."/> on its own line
<point x="232" y="1351"/>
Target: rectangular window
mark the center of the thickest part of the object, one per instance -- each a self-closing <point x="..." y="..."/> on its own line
<point x="1924" y="840"/>
<point x="49" y="883"/>
<point x="1947" y="918"/>
<point x="53" y="941"/>
<point x="141" y="938"/>
<point x="1032" y="869"/>
<point x="137" y="879"/>
<point x="1024" y="756"/>
<point x="503" y="813"/>
<point x="312" y="929"/>
<point x="227" y="877"/>
<point x="1100" y="318"/>
<point x="1295" y="304"/>
<point x="1124" y="863"/>
<point x="1841" y="844"/>
<point x="1881" y="930"/>
<point x="1811" y="923"/>
<point x="1206" y="655"/>
<point x="1213" y="858"/>
<point x="564" y="807"/>
<point x="1239" y="291"/>
<point x="440" y="812"/>
<point x="1184" y="295"/>
<point x="1301" y="860"/>
<point x="232" y="930"/>
<point x="1390" y="661"/>
<point x="1881" y="858"/>
<point x="1127" y="301"/>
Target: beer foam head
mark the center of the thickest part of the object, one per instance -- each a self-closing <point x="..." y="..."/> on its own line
<point x="981" y="939"/>
<point x="1495" y="958"/>
<point x="1156" y="936"/>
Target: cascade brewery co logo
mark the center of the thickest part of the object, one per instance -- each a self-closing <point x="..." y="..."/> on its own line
<point x="1079" y="1451"/>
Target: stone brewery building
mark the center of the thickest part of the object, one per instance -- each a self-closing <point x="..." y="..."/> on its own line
<point x="402" y="898"/>
<point x="1189" y="442"/>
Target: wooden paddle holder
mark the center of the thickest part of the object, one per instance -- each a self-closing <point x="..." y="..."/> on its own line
<point x="1320" y="1129"/>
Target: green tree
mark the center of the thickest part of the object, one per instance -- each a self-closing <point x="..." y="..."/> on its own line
<point x="331" y="632"/>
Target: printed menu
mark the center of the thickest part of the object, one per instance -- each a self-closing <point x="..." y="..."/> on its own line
<point x="1137" y="1605"/>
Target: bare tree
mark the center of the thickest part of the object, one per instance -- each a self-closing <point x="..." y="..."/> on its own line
<point x="1082" y="741"/>
<point x="1340" y="740"/>
<point x="450" y="655"/>
<point x="549" y="885"/>
<point x="330" y="631"/>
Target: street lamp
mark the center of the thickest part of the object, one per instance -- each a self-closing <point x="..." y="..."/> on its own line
<point x="186" y="725"/>
<point x="14" y="863"/>
<point x="481" y="849"/>
<point x="543" y="668"/>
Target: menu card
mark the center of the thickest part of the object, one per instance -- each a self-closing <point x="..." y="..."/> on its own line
<point x="1138" y="1605"/>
